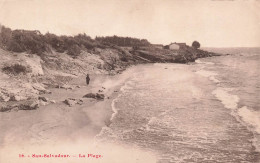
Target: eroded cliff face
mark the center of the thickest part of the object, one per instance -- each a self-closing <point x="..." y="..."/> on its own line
<point x="24" y="77"/>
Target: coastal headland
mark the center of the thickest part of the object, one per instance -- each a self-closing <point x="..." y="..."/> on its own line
<point x="32" y="63"/>
<point x="43" y="89"/>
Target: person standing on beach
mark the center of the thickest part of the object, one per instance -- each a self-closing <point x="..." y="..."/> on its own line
<point x="87" y="79"/>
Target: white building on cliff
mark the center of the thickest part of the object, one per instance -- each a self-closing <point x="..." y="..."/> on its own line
<point x="177" y="46"/>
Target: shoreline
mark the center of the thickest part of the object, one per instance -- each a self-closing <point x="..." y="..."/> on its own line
<point x="53" y="128"/>
<point x="58" y="123"/>
<point x="77" y="89"/>
<point x="67" y="122"/>
<point x="84" y="132"/>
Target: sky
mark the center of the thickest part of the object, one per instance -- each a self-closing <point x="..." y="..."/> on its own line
<point x="214" y="23"/>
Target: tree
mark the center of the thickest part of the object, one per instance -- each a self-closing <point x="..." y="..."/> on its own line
<point x="196" y="44"/>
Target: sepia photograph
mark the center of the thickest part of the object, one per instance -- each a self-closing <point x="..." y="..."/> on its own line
<point x="129" y="81"/>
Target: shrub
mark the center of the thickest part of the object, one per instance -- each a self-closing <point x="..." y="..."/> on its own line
<point x="15" y="47"/>
<point x="123" y="41"/>
<point x="124" y="59"/>
<point x="15" y="69"/>
<point x="36" y="43"/>
<point x="74" y="50"/>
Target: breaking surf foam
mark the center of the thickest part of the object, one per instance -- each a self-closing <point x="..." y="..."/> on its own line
<point x="228" y="100"/>
<point x="207" y="63"/>
<point x="250" y="117"/>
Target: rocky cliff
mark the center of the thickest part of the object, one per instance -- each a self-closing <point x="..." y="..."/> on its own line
<point x="26" y="74"/>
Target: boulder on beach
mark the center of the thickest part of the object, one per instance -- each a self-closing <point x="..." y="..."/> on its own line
<point x="43" y="98"/>
<point x="39" y="87"/>
<point x="100" y="96"/>
<point x="6" y="107"/>
<point x="29" y="105"/>
<point x="65" y="86"/>
<point x="97" y="96"/>
<point x="90" y="95"/>
<point x="72" y="101"/>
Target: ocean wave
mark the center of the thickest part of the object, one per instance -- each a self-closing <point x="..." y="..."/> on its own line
<point x="128" y="85"/>
<point x="150" y="122"/>
<point x="203" y="62"/>
<point x="115" y="111"/>
<point x="209" y="74"/>
<point x="228" y="100"/>
<point x="250" y="117"/>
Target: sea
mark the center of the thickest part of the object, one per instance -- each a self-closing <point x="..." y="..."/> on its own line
<point x="206" y="111"/>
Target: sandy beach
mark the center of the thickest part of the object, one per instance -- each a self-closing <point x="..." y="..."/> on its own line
<point x="56" y="124"/>
<point x="126" y="81"/>
<point x="54" y="131"/>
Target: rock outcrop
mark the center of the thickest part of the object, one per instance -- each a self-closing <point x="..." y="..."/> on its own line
<point x="73" y="101"/>
<point x="97" y="96"/>
<point x="31" y="104"/>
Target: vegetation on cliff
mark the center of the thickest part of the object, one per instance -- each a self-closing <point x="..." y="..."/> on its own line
<point x="33" y="42"/>
<point x="31" y="62"/>
<point x="123" y="41"/>
<point x="36" y="43"/>
<point x="195" y="44"/>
